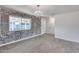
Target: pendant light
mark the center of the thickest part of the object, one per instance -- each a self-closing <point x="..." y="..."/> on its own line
<point x="38" y="13"/>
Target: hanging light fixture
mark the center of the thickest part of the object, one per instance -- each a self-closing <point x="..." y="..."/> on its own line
<point x="38" y="13"/>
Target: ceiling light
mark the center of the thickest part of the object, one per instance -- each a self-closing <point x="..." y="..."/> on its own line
<point x="38" y="13"/>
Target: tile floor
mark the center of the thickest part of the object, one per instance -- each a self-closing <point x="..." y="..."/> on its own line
<point x="42" y="44"/>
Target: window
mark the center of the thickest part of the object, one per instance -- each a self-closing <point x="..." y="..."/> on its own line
<point x="26" y="24"/>
<point x="18" y="23"/>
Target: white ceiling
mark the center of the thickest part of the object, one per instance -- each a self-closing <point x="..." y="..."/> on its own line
<point x="48" y="10"/>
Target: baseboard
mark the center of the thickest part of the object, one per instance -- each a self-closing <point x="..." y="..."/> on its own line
<point x="67" y="39"/>
<point x="50" y="34"/>
<point x="20" y="40"/>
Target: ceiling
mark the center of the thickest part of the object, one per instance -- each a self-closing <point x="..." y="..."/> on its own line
<point x="48" y="10"/>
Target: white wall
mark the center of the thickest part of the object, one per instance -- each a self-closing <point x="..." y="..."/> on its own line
<point x="47" y="25"/>
<point x="43" y="25"/>
<point x="67" y="26"/>
<point x="50" y="23"/>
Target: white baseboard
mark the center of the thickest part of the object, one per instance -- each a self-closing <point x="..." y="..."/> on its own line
<point x="50" y="34"/>
<point x="20" y="40"/>
<point x="66" y="39"/>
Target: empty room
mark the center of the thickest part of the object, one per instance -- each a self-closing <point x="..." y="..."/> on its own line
<point x="39" y="28"/>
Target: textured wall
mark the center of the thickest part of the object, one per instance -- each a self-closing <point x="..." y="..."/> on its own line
<point x="7" y="36"/>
